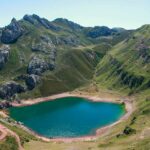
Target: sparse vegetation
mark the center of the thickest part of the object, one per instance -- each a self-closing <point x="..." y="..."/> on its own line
<point x="9" y="144"/>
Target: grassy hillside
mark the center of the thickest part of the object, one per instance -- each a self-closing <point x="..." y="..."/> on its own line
<point x="62" y="43"/>
<point x="95" y="60"/>
<point x="127" y="65"/>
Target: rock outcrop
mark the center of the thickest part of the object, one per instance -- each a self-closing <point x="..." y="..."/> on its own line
<point x="35" y="19"/>
<point x="70" y="24"/>
<point x="30" y="19"/>
<point x="11" y="32"/>
<point x="37" y="66"/>
<point x="4" y="54"/>
<point x="44" y="45"/>
<point x="9" y="89"/>
<point x="5" y="104"/>
<point x="31" y="81"/>
<point x="99" y="31"/>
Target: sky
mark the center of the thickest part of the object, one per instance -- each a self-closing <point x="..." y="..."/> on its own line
<point x="129" y="14"/>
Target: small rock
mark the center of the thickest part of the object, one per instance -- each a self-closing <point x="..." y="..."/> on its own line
<point x="128" y="130"/>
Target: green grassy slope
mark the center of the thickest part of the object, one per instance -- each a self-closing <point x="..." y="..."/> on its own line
<point x="127" y="65"/>
<point x="9" y="144"/>
<point x="75" y="68"/>
<point x="118" y="62"/>
<point x="76" y="56"/>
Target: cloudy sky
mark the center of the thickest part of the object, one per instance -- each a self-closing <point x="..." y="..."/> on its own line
<point x="129" y="14"/>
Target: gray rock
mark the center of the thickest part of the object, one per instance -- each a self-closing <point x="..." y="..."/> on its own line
<point x="70" y="24"/>
<point x="68" y="40"/>
<point x="5" y="104"/>
<point x="34" y="19"/>
<point x="37" y="66"/>
<point x="99" y="31"/>
<point x="12" y="32"/>
<point x="31" y="81"/>
<point x="30" y="19"/>
<point x="91" y="55"/>
<point x="4" y="54"/>
<point x="44" y="45"/>
<point x="9" y="89"/>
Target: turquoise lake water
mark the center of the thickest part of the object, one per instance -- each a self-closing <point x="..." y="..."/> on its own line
<point x="67" y="117"/>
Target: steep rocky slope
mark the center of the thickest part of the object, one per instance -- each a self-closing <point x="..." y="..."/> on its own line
<point x="51" y="57"/>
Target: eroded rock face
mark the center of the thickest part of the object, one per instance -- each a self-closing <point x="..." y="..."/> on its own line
<point x="9" y="89"/>
<point x="70" y="24"/>
<point x="11" y="32"/>
<point x="45" y="45"/>
<point x="31" y="81"/>
<point x="34" y="19"/>
<point x="37" y="66"/>
<point x="4" y="54"/>
<point x="29" y="18"/>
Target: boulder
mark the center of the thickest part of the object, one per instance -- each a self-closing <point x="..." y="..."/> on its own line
<point x="31" y="81"/>
<point x="4" y="54"/>
<point x="9" y="89"/>
<point x="12" y="32"/>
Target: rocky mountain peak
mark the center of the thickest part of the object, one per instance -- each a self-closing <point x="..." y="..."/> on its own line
<point x="12" y="32"/>
<point x="72" y="25"/>
<point x="98" y="31"/>
<point x="35" y="19"/>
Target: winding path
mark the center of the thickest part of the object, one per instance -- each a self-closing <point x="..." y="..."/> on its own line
<point x="5" y="131"/>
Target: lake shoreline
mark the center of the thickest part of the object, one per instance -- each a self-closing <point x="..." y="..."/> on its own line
<point x="99" y="132"/>
<point x="29" y="102"/>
